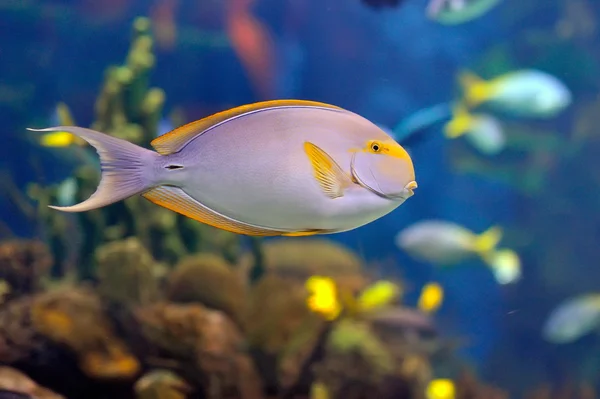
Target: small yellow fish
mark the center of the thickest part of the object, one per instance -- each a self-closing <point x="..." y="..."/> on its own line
<point x="377" y="295"/>
<point x="524" y="93"/>
<point x="62" y="139"/>
<point x="482" y="131"/>
<point x="283" y="167"/>
<point x="441" y="389"/>
<point x="326" y="300"/>
<point x="323" y="297"/>
<point x="431" y="298"/>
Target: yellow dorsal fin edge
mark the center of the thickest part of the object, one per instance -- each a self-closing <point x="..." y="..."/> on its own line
<point x="174" y="140"/>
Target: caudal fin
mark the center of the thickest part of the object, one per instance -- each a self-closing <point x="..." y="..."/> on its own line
<point x="126" y="168"/>
<point x="475" y="90"/>
<point x="488" y="240"/>
<point x="505" y="264"/>
<point x="461" y="122"/>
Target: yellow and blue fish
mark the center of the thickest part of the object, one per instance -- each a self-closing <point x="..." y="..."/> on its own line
<point x="483" y="131"/>
<point x="444" y="243"/>
<point x="522" y="93"/>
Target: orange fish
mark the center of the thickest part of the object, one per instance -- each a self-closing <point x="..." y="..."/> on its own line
<point x="253" y="45"/>
<point x="162" y="15"/>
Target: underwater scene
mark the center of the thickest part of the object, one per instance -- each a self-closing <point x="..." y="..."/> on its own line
<point x="404" y="203"/>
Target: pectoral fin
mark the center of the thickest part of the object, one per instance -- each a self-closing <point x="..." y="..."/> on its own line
<point x="175" y="199"/>
<point x="330" y="176"/>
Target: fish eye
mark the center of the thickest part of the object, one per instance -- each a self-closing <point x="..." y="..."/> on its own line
<point x="375" y="146"/>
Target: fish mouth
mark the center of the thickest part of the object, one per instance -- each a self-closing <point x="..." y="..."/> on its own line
<point x="402" y="196"/>
<point x="405" y="194"/>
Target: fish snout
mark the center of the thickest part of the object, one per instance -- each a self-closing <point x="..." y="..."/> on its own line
<point x="409" y="190"/>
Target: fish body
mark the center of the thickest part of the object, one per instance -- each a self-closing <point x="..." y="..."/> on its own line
<point x="572" y="319"/>
<point x="482" y="131"/>
<point x="455" y="12"/>
<point x="431" y="298"/>
<point x="285" y="167"/>
<point x="523" y="93"/>
<point x="444" y="243"/>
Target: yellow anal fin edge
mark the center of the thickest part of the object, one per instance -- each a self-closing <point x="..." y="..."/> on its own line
<point x="175" y="199"/>
<point x="307" y="233"/>
<point x="176" y="139"/>
<point x="327" y="172"/>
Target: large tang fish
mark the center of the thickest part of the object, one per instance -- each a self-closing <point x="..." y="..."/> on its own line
<point x="284" y="167"/>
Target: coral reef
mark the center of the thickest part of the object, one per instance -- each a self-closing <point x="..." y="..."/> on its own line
<point x="23" y="266"/>
<point x="14" y="381"/>
<point x="208" y="279"/>
<point x="127" y="273"/>
<point x="76" y="319"/>
<point x="207" y="345"/>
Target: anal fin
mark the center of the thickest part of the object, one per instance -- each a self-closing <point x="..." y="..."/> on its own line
<point x="175" y="199"/>
<point x="327" y="172"/>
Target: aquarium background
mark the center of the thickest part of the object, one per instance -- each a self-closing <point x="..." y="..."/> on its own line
<point x="384" y="63"/>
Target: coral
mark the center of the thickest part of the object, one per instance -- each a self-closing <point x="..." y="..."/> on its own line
<point x="19" y="342"/>
<point x="467" y="387"/>
<point x="208" y="279"/>
<point x="14" y="381"/>
<point x="75" y="319"/>
<point x="161" y="384"/>
<point x="207" y="346"/>
<point x="356" y="364"/>
<point x="23" y="265"/>
<point x="277" y="308"/>
<point x="303" y="258"/>
<point x="127" y="273"/>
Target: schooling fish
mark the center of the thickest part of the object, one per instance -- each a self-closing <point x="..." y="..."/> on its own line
<point x="482" y="131"/>
<point x="523" y="93"/>
<point x="572" y="319"/>
<point x="284" y="167"/>
<point x="454" y="12"/>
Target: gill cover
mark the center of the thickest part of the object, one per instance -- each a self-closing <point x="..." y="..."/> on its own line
<point x="387" y="176"/>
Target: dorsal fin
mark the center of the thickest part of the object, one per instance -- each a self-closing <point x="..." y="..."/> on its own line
<point x="174" y="140"/>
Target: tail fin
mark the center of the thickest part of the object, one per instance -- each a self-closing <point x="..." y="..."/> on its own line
<point x="505" y="264"/>
<point x="475" y="89"/>
<point x="125" y="168"/>
<point x="461" y="122"/>
<point x="488" y="240"/>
